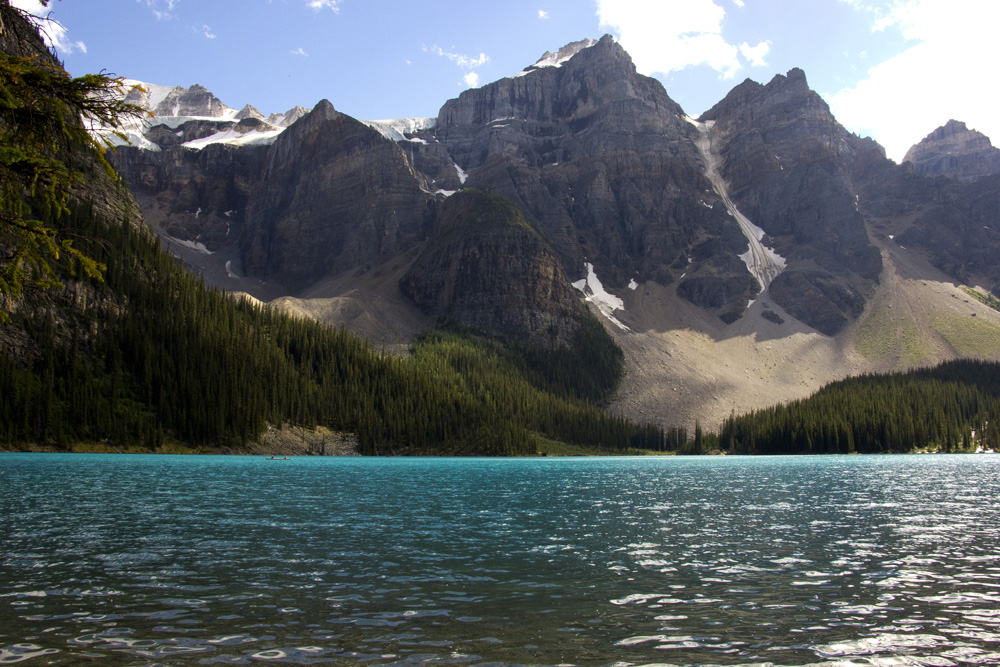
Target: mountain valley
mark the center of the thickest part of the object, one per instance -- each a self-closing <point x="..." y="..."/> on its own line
<point x="758" y="252"/>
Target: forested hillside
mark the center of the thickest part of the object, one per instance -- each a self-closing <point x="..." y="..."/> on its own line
<point x="149" y="354"/>
<point x="952" y="407"/>
<point x="105" y="338"/>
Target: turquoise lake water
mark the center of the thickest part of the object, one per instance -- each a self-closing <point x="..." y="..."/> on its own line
<point x="192" y="560"/>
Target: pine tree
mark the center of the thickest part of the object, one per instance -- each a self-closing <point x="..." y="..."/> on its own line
<point x="46" y="119"/>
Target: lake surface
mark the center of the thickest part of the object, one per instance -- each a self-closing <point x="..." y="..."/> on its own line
<point x="187" y="560"/>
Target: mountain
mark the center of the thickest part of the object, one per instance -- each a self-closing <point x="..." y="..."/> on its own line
<point x="739" y="259"/>
<point x="332" y="196"/>
<point x="785" y="159"/>
<point x="137" y="354"/>
<point x="955" y="151"/>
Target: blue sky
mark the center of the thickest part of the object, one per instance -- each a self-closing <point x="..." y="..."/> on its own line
<point x="891" y="69"/>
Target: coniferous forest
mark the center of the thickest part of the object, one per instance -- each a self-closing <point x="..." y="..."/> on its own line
<point x="952" y="407"/>
<point x="149" y="354"/>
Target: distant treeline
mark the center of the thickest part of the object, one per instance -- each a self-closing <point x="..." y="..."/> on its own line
<point x="952" y="407"/>
<point x="151" y="355"/>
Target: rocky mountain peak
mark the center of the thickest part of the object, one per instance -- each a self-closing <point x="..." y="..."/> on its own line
<point x="287" y="118"/>
<point x="786" y="95"/>
<point x="308" y="124"/>
<point x="580" y="87"/>
<point x="556" y="59"/>
<point x="795" y="76"/>
<point x="785" y="159"/>
<point x="955" y="151"/>
<point x="249" y="111"/>
<point x="324" y="109"/>
<point x="953" y="128"/>
<point x="333" y="196"/>
<point x="195" y="101"/>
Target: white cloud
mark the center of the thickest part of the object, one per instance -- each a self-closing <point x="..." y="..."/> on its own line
<point x="207" y="32"/>
<point x="670" y="35"/>
<point x="755" y="54"/>
<point x="738" y="3"/>
<point x="463" y="61"/>
<point x="161" y="8"/>
<point x="319" y="5"/>
<point x="470" y="78"/>
<point x="55" y="35"/>
<point x="542" y="14"/>
<point x="299" y="52"/>
<point x="943" y="76"/>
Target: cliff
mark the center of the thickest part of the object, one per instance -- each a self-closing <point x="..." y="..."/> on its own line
<point x="486" y="267"/>
<point x="955" y="151"/>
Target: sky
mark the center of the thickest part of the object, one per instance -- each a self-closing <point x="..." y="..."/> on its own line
<point x="893" y="70"/>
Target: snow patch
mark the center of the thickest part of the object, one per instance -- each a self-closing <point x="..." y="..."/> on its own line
<point x="235" y="138"/>
<point x="154" y="96"/>
<point x="229" y="270"/>
<point x="595" y="293"/>
<point x="396" y="129"/>
<point x="633" y="285"/>
<point x="462" y="174"/>
<point x="193" y="245"/>
<point x="558" y="58"/>
<point x="762" y="262"/>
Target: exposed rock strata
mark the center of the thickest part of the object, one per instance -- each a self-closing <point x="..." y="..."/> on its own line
<point x="955" y="151"/>
<point x="334" y="196"/>
<point x="787" y="161"/>
<point x="486" y="267"/>
<point x="198" y="196"/>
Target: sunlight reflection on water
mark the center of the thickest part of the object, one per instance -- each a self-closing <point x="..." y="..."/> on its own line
<point x="231" y="560"/>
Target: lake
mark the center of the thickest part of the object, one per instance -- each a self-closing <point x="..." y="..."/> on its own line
<point x="201" y="560"/>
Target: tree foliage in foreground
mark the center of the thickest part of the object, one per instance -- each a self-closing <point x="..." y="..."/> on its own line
<point x="952" y="407"/>
<point x="45" y="150"/>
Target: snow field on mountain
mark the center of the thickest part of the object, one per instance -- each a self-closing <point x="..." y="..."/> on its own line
<point x="595" y="293"/>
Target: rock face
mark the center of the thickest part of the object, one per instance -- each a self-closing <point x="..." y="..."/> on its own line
<point x="287" y="118"/>
<point x="333" y="196"/>
<point x="486" y="267"/>
<point x="194" y="101"/>
<point x="954" y="223"/>
<point x="600" y="160"/>
<point x="787" y="162"/>
<point x="197" y="196"/>
<point x="955" y="151"/>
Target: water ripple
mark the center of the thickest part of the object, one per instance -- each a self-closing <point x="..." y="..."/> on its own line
<point x="227" y="560"/>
